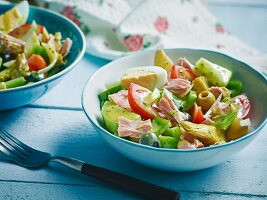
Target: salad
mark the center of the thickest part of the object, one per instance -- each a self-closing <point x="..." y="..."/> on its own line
<point x="176" y="105"/>
<point x="28" y="52"/>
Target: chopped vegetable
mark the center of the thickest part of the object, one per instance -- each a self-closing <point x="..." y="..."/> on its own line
<point x="136" y="95"/>
<point x="235" y="86"/>
<point x="162" y="60"/>
<point x="160" y="125"/>
<point x="235" y="130"/>
<point x="215" y="74"/>
<point x="36" y="62"/>
<point x="189" y="101"/>
<point x="13" y="83"/>
<point x="225" y="121"/>
<point x="52" y="54"/>
<point x="197" y="115"/>
<point x="168" y="142"/>
<point x="205" y="133"/>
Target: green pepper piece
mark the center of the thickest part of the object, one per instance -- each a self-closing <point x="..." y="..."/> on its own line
<point x="173" y="132"/>
<point x="168" y="142"/>
<point x="235" y="86"/>
<point x="38" y="49"/>
<point x="103" y="96"/>
<point x="189" y="101"/>
<point x="225" y="121"/>
<point x="160" y="125"/>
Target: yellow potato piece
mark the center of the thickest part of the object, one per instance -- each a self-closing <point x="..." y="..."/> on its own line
<point x="145" y="78"/>
<point x="207" y="134"/>
<point x="236" y="131"/>
<point x="162" y="60"/>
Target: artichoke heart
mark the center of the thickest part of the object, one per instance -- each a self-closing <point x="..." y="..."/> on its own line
<point x="207" y="134"/>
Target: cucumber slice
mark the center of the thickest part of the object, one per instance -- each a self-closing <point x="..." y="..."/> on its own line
<point x="216" y="75"/>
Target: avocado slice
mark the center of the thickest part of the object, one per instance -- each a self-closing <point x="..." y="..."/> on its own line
<point x="111" y="112"/>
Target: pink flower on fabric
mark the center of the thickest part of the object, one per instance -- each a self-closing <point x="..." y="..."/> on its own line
<point x="69" y="13"/>
<point x="219" y="28"/>
<point x="161" y="24"/>
<point x="133" y="42"/>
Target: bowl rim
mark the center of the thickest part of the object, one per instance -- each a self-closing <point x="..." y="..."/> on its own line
<point x="64" y="71"/>
<point x="96" y="125"/>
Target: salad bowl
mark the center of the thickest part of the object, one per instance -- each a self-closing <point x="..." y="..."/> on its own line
<point x="255" y="87"/>
<point x="53" y="22"/>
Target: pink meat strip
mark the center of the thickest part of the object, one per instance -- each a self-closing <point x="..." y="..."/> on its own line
<point x="187" y="145"/>
<point x="179" y="86"/>
<point x="167" y="106"/>
<point x="190" y="142"/>
<point x="65" y="49"/>
<point x="184" y="63"/>
<point x="216" y="91"/>
<point x="121" y="99"/>
<point x="133" y="128"/>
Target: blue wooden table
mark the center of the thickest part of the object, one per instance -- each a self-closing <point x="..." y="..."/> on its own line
<point x="56" y="123"/>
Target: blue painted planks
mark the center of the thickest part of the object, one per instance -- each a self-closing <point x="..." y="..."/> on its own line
<point x="16" y="190"/>
<point x="69" y="133"/>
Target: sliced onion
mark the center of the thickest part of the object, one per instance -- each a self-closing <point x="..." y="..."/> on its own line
<point x="207" y="114"/>
<point x="245" y="122"/>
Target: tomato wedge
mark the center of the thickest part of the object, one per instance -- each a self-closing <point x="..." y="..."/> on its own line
<point x="22" y="30"/>
<point x="36" y="62"/>
<point x="136" y="94"/>
<point x="182" y="72"/>
<point x="197" y="115"/>
<point x="174" y="72"/>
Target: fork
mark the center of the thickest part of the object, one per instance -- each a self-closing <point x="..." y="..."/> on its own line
<point x="29" y="157"/>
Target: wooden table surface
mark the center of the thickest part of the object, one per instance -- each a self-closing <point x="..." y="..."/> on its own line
<point x="56" y="124"/>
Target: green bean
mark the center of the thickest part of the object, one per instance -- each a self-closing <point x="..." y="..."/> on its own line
<point x="15" y="82"/>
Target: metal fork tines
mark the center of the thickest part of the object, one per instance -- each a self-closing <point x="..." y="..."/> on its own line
<point x="20" y="152"/>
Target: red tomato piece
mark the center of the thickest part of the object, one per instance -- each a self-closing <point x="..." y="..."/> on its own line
<point x="197" y="115"/>
<point x="22" y="30"/>
<point x="136" y="93"/>
<point x="174" y="72"/>
<point x="182" y="72"/>
<point x="36" y="62"/>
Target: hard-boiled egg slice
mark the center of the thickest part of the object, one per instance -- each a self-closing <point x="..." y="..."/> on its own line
<point x="161" y="73"/>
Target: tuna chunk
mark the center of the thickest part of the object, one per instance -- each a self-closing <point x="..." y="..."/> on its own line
<point x="121" y="99"/>
<point x="9" y="44"/>
<point x="179" y="87"/>
<point x="167" y="107"/>
<point x="133" y="128"/>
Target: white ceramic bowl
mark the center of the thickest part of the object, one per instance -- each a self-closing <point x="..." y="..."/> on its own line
<point x="16" y="97"/>
<point x="255" y="86"/>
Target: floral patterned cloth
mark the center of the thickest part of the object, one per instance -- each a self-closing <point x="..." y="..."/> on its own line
<point x="115" y="28"/>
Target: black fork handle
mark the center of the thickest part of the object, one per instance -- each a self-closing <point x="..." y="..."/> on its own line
<point x="129" y="183"/>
